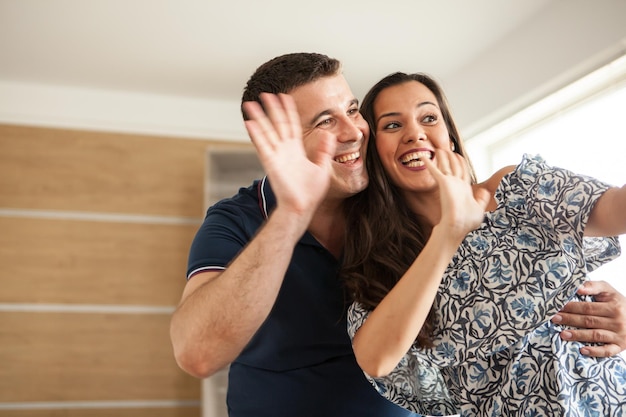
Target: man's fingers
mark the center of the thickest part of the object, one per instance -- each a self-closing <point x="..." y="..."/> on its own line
<point x="589" y="335"/>
<point x="584" y="321"/>
<point x="601" y="291"/>
<point x="585" y="308"/>
<point x="278" y="115"/>
<point x="259" y="127"/>
<point x="595" y="288"/>
<point x="609" y="342"/>
<point x="276" y="120"/>
<point x="603" y="351"/>
<point x="293" y="117"/>
<point x="602" y="321"/>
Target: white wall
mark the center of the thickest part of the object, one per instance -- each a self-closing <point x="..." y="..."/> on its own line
<point x="120" y="111"/>
<point x="568" y="40"/>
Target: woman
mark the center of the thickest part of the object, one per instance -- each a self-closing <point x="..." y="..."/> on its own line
<point x="487" y="337"/>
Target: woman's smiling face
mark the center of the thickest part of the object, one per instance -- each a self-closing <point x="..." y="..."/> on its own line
<point x="409" y="127"/>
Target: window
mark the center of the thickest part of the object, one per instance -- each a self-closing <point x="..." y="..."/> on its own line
<point x="581" y="128"/>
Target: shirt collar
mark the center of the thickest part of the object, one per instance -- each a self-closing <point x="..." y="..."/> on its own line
<point x="267" y="199"/>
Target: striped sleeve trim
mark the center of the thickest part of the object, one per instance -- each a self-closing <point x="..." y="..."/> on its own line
<point x="204" y="269"/>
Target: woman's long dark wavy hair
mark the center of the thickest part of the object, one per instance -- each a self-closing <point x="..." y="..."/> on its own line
<point x="383" y="235"/>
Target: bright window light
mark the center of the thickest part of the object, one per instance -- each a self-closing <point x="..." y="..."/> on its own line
<point x="581" y="128"/>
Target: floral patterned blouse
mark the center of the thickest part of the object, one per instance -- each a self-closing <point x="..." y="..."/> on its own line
<point x="495" y="352"/>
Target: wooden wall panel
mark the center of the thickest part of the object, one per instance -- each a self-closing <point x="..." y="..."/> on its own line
<point x="56" y="169"/>
<point x="84" y="262"/>
<point x="103" y="220"/>
<point x="87" y="357"/>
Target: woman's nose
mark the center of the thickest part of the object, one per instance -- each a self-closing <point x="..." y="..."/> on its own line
<point x="415" y="134"/>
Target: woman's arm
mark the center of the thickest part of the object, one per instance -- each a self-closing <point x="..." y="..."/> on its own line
<point x="392" y="327"/>
<point x="608" y="217"/>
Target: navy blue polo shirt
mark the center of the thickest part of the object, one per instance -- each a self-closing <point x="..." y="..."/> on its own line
<point x="300" y="361"/>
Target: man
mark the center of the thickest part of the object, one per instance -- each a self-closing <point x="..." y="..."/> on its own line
<point x="262" y="292"/>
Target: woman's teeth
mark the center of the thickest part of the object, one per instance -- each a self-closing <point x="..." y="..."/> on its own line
<point x="415" y="159"/>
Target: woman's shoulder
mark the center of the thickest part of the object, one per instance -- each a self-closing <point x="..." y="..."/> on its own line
<point x="492" y="183"/>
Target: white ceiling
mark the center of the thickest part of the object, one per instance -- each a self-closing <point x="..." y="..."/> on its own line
<point x="487" y="53"/>
<point x="208" y="48"/>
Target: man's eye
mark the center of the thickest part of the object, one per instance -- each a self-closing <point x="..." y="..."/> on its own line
<point x="324" y="122"/>
<point x="352" y="112"/>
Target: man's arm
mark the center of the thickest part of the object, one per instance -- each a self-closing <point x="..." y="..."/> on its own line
<point x="220" y="312"/>
<point x="602" y="321"/>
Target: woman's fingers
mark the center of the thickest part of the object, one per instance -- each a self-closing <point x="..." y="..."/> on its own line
<point x="450" y="163"/>
<point x="443" y="162"/>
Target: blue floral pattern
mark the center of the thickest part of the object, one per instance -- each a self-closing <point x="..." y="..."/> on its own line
<point x="495" y="352"/>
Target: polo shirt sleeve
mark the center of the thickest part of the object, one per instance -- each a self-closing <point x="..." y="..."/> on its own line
<point x="225" y="231"/>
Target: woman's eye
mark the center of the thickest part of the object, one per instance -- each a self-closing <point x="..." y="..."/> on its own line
<point x="391" y="125"/>
<point x="431" y="118"/>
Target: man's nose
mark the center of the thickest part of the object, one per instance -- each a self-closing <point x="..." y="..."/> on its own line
<point x="350" y="130"/>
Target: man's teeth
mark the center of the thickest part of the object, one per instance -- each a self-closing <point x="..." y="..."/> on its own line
<point x="415" y="159"/>
<point x="349" y="157"/>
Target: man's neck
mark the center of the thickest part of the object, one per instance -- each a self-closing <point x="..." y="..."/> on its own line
<point x="328" y="227"/>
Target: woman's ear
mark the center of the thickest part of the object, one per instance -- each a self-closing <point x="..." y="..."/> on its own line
<point x="452" y="145"/>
